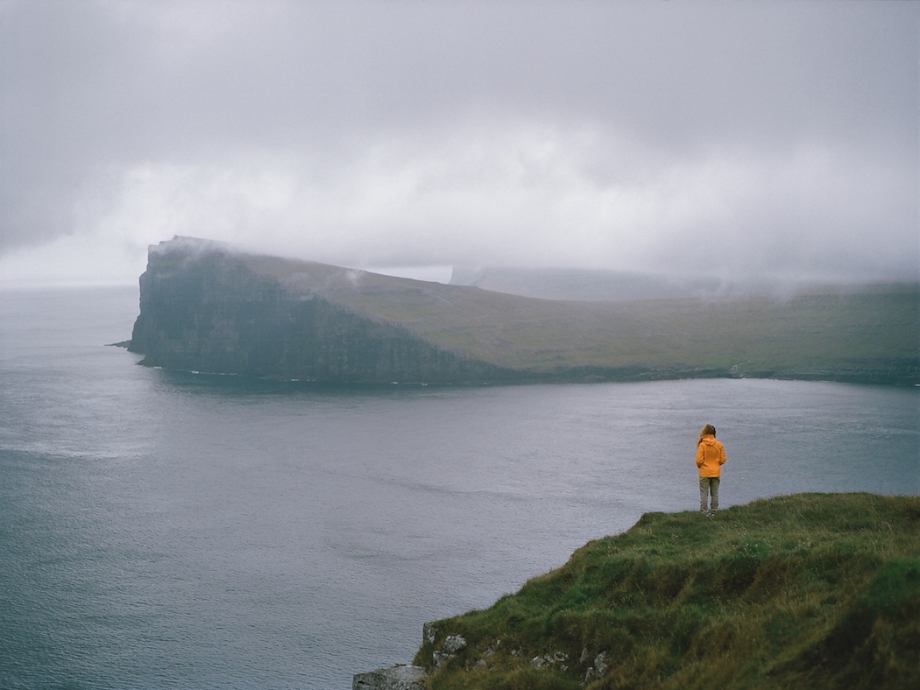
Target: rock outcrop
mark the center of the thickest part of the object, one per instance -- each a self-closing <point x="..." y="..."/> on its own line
<point x="396" y="678"/>
<point x="411" y="677"/>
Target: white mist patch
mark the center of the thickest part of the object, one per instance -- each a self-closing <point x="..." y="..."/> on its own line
<point x="431" y="274"/>
<point x="355" y="278"/>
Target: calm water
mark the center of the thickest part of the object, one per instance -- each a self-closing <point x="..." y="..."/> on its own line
<point x="179" y="531"/>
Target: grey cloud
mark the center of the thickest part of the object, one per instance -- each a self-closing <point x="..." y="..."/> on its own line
<point x="216" y="103"/>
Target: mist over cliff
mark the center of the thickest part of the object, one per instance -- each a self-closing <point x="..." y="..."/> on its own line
<point x="208" y="307"/>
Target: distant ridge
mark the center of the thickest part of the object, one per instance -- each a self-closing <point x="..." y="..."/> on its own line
<point x="590" y="285"/>
<point x="210" y="307"/>
<point x="586" y="285"/>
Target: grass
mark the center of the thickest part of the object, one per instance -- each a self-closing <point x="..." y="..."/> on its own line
<point x="755" y="336"/>
<point x="870" y="334"/>
<point x="804" y="591"/>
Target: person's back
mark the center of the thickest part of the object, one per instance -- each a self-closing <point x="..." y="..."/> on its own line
<point x="710" y="456"/>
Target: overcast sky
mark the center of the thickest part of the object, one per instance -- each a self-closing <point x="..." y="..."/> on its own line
<point x="732" y="139"/>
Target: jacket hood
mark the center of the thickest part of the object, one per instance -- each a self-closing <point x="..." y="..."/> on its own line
<point x="708" y="440"/>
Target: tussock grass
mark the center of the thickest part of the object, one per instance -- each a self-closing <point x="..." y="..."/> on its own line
<point x="804" y="591"/>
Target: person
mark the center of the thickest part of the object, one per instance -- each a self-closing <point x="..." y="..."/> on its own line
<point x="710" y="456"/>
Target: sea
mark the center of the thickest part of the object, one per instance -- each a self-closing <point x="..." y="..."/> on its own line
<point x="187" y="530"/>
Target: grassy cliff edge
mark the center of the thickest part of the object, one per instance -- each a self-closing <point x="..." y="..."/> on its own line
<point x="802" y="591"/>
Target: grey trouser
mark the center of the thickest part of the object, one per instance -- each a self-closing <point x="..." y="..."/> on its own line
<point x="709" y="486"/>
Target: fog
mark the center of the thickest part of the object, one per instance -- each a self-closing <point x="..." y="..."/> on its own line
<point x="770" y="141"/>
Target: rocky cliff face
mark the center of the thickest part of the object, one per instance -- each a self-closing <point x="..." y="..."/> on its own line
<point x="206" y="308"/>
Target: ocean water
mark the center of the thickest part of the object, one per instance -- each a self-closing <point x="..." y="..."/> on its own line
<point x="164" y="530"/>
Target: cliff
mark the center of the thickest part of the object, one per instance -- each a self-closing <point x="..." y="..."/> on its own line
<point x="208" y="307"/>
<point x="804" y="591"/>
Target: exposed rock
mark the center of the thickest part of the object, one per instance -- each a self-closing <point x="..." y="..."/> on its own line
<point x="450" y="647"/>
<point x="453" y="644"/>
<point x="600" y="663"/>
<point x="429" y="633"/>
<point x="396" y="678"/>
<point x="541" y="662"/>
<point x="599" y="669"/>
<point x="546" y="661"/>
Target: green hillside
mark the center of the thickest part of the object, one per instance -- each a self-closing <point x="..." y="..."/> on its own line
<point x="870" y="334"/>
<point x="804" y="591"/>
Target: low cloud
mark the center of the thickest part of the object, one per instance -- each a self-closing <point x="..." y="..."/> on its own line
<point x="732" y="141"/>
<point x="528" y="196"/>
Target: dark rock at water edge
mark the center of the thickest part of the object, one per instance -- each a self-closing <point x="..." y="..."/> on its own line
<point x="396" y="678"/>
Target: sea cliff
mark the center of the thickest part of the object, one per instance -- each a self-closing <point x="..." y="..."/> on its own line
<point x="803" y="591"/>
<point x="208" y="307"/>
<point x="205" y="307"/>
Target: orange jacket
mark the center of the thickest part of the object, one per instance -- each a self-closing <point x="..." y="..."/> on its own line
<point x="710" y="456"/>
